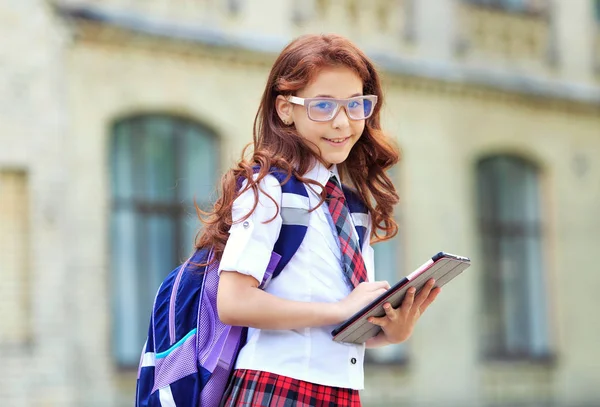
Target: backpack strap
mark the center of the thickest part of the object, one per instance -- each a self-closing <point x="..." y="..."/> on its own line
<point x="295" y="216"/>
<point x="295" y="206"/>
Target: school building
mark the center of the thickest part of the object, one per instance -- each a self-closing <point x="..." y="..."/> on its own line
<point x="115" y="115"/>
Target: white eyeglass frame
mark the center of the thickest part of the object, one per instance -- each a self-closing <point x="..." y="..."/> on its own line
<point x="340" y="102"/>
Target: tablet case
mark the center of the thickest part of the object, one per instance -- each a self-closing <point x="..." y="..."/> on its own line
<point x="443" y="267"/>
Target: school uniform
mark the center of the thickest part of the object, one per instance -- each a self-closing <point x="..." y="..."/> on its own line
<point x="301" y="367"/>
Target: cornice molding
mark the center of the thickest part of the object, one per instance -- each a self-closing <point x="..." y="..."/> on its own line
<point x="126" y="30"/>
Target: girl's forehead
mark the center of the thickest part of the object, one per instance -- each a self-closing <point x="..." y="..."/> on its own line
<point x="338" y="82"/>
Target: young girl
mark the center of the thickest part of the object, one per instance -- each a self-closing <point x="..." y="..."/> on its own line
<point x="319" y="122"/>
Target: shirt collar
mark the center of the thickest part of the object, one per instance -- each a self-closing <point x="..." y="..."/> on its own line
<point x="321" y="174"/>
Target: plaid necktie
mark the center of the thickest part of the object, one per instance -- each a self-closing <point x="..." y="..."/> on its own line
<point x="352" y="261"/>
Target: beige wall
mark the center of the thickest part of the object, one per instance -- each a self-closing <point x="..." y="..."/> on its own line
<point x="39" y="369"/>
<point x="61" y="93"/>
<point x="443" y="134"/>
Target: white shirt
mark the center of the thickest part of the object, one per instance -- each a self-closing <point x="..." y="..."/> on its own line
<point x="313" y="274"/>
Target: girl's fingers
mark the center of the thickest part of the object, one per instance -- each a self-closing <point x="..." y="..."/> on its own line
<point x="426" y="296"/>
<point x="424" y="293"/>
<point x="408" y="300"/>
<point x="390" y="312"/>
<point x="391" y="315"/>
<point x="378" y="285"/>
<point x="382" y="322"/>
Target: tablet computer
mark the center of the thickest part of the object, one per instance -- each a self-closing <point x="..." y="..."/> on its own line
<point x="443" y="267"/>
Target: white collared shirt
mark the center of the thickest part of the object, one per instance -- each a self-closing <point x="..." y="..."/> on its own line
<point x="313" y="274"/>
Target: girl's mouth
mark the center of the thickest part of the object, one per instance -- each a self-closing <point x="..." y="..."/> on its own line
<point x="337" y="141"/>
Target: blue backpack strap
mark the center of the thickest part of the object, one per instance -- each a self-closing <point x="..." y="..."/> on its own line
<point x="358" y="210"/>
<point x="294" y="214"/>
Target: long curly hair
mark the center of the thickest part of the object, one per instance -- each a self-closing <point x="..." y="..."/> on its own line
<point x="280" y="146"/>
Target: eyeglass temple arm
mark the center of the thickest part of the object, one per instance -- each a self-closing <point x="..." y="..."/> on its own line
<point x="296" y="100"/>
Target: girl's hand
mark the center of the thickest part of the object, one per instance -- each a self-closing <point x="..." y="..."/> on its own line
<point x="398" y="324"/>
<point x="361" y="296"/>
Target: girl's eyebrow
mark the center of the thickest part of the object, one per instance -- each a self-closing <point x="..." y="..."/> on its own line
<point x="333" y="97"/>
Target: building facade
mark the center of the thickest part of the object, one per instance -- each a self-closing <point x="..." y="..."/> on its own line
<point x="116" y="115"/>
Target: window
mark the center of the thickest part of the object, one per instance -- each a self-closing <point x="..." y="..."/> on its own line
<point x="514" y="296"/>
<point x="234" y="7"/>
<point x="15" y="324"/>
<point x="159" y="165"/>
<point x="388" y="266"/>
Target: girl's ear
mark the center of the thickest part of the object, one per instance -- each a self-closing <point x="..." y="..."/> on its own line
<point x="285" y="110"/>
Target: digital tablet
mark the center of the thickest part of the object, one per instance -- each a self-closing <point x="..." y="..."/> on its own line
<point x="443" y="267"/>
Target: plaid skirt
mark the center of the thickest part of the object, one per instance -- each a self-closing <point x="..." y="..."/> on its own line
<point x="252" y="388"/>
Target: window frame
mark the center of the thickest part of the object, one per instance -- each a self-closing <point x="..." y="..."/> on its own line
<point x="146" y="209"/>
<point x="501" y="231"/>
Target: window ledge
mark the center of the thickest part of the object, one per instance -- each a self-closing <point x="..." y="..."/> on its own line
<point x="401" y="363"/>
<point x="548" y="360"/>
<point x="518" y="381"/>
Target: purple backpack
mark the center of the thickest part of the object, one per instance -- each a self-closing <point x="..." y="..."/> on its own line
<point x="189" y="353"/>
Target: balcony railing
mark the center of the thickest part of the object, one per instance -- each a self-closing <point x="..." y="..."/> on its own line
<point x="189" y="12"/>
<point x="506" y="33"/>
<point x="379" y="24"/>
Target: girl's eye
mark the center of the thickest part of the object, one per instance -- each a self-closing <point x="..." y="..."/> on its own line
<point x="323" y="105"/>
<point x="354" y="104"/>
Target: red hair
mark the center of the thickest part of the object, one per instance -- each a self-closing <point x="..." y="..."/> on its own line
<point x="280" y="146"/>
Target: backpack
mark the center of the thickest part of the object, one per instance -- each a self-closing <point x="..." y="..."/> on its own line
<point x="189" y="353"/>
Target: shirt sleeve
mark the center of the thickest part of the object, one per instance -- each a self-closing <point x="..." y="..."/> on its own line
<point x="250" y="243"/>
<point x="368" y="252"/>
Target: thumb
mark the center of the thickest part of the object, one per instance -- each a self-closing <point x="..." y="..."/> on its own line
<point x="381" y="284"/>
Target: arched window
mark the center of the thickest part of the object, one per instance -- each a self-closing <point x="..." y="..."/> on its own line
<point x="159" y="164"/>
<point x="514" y="323"/>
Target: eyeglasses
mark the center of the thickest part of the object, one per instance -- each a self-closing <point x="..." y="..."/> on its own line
<point x="325" y="109"/>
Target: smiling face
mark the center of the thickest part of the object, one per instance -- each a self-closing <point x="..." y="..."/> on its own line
<point x="333" y="139"/>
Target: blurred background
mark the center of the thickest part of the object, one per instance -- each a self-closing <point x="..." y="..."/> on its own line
<point x="116" y="114"/>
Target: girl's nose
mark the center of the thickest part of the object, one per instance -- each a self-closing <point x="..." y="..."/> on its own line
<point x="341" y="119"/>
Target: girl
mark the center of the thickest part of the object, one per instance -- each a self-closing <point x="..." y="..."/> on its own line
<point x="318" y="121"/>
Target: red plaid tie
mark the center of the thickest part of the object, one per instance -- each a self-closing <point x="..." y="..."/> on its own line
<point x="352" y="261"/>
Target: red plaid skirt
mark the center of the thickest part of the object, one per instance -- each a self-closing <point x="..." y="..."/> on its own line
<point x="251" y="388"/>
